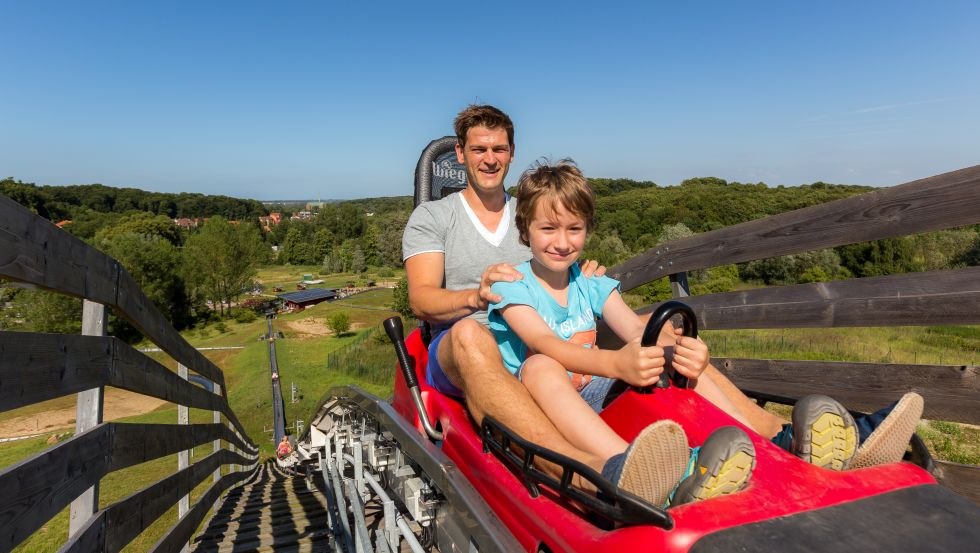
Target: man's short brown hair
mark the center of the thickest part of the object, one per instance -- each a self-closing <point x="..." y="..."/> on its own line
<point x="562" y="184"/>
<point x="485" y="116"/>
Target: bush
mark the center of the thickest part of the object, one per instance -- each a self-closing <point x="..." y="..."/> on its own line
<point x="339" y="323"/>
<point x="243" y="315"/>
<point x="221" y="327"/>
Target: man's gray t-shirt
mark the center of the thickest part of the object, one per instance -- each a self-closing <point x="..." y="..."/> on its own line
<point x="449" y="226"/>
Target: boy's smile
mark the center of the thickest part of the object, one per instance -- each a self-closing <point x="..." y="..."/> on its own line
<point x="557" y="238"/>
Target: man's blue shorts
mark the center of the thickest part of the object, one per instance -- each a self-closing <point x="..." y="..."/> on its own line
<point x="433" y="373"/>
<point x="594" y="392"/>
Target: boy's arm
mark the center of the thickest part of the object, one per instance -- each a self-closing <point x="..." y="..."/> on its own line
<point x="690" y="354"/>
<point x="431" y="302"/>
<point x="633" y="364"/>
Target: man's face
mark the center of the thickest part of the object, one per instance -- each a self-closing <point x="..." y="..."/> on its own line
<point x="486" y="156"/>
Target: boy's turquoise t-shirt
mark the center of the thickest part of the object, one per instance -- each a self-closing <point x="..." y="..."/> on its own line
<point x="576" y="322"/>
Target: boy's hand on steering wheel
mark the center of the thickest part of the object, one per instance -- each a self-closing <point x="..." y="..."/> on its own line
<point x="639" y="365"/>
<point x="690" y="355"/>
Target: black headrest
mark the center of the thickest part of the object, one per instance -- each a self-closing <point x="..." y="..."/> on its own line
<point x="438" y="174"/>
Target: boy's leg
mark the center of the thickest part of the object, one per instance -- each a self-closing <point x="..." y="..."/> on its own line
<point x="549" y="385"/>
<point x="469" y="356"/>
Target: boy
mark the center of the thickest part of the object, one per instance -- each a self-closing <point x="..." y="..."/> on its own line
<point x="546" y="319"/>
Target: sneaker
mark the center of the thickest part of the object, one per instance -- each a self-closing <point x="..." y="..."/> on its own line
<point x="654" y="463"/>
<point x="722" y="465"/>
<point x="889" y="440"/>
<point x="824" y="433"/>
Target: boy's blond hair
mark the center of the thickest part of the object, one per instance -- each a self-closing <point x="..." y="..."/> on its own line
<point x="560" y="184"/>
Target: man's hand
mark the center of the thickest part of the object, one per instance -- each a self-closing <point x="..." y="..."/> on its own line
<point x="637" y="365"/>
<point x="501" y="272"/>
<point x="591" y="268"/>
<point x="690" y="355"/>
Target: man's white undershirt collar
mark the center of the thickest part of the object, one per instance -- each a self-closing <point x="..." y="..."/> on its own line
<point x="496" y="237"/>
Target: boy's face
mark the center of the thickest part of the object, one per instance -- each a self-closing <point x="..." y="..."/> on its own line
<point x="556" y="235"/>
<point x="486" y="157"/>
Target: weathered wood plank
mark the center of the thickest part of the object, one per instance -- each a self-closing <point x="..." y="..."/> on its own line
<point x="37" y="489"/>
<point x="118" y="524"/>
<point x="950" y="391"/>
<point x="35" y="251"/>
<point x="179" y="534"/>
<point x="36" y="367"/>
<point x="940" y="202"/>
<point x="962" y="479"/>
<point x="137" y="443"/>
<point x="916" y="299"/>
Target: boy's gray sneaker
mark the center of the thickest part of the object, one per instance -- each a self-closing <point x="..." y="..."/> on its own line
<point x="722" y="465"/>
<point x="824" y="433"/>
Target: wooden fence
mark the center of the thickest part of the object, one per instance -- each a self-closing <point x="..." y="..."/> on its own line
<point x="36" y="367"/>
<point x="950" y="297"/>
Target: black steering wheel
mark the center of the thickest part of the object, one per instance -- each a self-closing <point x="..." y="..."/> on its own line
<point x="658" y="318"/>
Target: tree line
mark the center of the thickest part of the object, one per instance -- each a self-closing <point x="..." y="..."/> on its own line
<point x="82" y="200"/>
<point x="200" y="273"/>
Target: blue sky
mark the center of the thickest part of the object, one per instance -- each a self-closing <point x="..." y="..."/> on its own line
<point x="293" y="100"/>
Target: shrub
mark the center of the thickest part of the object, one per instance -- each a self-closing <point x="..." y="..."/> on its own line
<point x="243" y="315"/>
<point x="339" y="323"/>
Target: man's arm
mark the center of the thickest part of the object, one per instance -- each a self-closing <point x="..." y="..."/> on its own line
<point x="431" y="302"/>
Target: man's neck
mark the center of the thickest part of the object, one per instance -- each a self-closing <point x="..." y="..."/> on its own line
<point x="483" y="202"/>
<point x="488" y="208"/>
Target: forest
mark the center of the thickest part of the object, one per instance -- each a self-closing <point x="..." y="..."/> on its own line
<point x="199" y="273"/>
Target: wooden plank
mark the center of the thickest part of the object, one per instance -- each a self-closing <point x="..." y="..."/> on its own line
<point x="141" y="312"/>
<point x="35" y="251"/>
<point x="950" y="391"/>
<point x="38" y="488"/>
<point x="962" y="479"/>
<point x="137" y="443"/>
<point x="940" y="202"/>
<point x="179" y="534"/>
<point x="118" y="524"/>
<point x="36" y="367"/>
<point x="915" y="299"/>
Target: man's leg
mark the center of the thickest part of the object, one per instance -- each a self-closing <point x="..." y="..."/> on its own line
<point x="765" y="423"/>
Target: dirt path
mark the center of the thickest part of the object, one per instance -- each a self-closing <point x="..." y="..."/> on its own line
<point x="118" y="404"/>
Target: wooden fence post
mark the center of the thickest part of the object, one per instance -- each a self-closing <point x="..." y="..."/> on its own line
<point x="217" y="443"/>
<point x="183" y="459"/>
<point x="88" y="415"/>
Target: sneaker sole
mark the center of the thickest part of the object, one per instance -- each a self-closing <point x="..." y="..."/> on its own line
<point x="655" y="462"/>
<point x="887" y="444"/>
<point x="730" y="458"/>
<point x="824" y="433"/>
